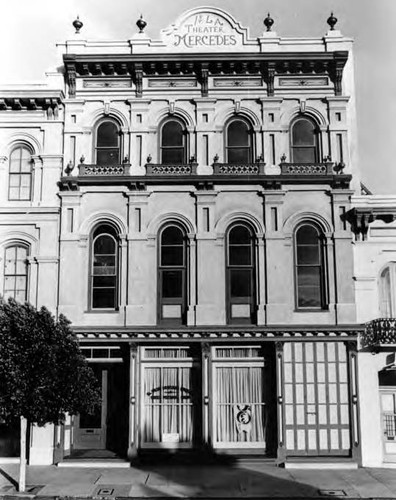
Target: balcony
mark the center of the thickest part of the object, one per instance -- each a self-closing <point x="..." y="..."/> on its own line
<point x="315" y="169"/>
<point x="242" y="169"/>
<point x="379" y="333"/>
<point x="103" y="170"/>
<point x="173" y="169"/>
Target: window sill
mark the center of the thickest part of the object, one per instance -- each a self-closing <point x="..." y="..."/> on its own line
<point x="310" y="310"/>
<point x="102" y="311"/>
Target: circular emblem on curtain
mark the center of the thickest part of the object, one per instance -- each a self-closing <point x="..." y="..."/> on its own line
<point x="243" y="418"/>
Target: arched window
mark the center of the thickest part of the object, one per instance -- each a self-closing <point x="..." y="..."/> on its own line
<point x="20" y="180"/>
<point x="104" y="268"/>
<point x="310" y="272"/>
<point x="238" y="142"/>
<point x="173" y="274"/>
<point x="304" y="141"/>
<point x="108" y="143"/>
<point x="16" y="272"/>
<point x="241" y="296"/>
<point x="385" y="292"/>
<point x="173" y="142"/>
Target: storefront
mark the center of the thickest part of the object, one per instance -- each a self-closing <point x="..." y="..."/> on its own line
<point x="285" y="399"/>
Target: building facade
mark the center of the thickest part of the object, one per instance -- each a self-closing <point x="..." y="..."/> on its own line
<point x="195" y="191"/>
<point x="372" y="218"/>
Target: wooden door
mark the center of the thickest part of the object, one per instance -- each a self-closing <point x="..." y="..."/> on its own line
<point x="388" y="409"/>
<point x="90" y="430"/>
<point x="316" y="399"/>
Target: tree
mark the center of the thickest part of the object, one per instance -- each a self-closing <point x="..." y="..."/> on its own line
<point x="43" y="374"/>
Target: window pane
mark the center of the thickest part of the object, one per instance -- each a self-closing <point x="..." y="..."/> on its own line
<point x="24" y="194"/>
<point x="241" y="283"/>
<point x="240" y="255"/>
<point x="107" y="135"/>
<point x="107" y="157"/>
<point x="13" y="193"/>
<point x="309" y="276"/>
<point x="238" y="134"/>
<point x="172" y="235"/>
<point x="303" y="133"/>
<point x="104" y="245"/>
<point x="309" y="297"/>
<point x="172" y="134"/>
<point x="172" y="256"/>
<point x="103" y="281"/>
<point x="173" y="155"/>
<point x="103" y="298"/>
<point x="240" y="234"/>
<point x="172" y="284"/>
<point x="238" y="155"/>
<point x="307" y="234"/>
<point x="308" y="254"/>
<point x="15" y="180"/>
<point x="304" y="155"/>
<point x="25" y="180"/>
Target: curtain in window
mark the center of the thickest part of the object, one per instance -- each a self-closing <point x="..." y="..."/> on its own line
<point x="168" y="394"/>
<point x="240" y="412"/>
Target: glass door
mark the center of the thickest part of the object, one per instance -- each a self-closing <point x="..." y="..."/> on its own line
<point x="239" y="416"/>
<point x="171" y="392"/>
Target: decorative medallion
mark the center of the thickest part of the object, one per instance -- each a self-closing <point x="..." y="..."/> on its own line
<point x="243" y="418"/>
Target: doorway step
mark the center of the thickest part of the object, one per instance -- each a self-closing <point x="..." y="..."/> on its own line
<point x="94" y="458"/>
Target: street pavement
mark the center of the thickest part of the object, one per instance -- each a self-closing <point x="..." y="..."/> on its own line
<point x="253" y="480"/>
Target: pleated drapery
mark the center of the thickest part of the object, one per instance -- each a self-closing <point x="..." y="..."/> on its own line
<point x="168" y="406"/>
<point x="240" y="389"/>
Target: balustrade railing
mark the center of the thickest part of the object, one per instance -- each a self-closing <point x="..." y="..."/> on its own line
<point x="107" y="170"/>
<point x="381" y="331"/>
<point x="256" y="168"/>
<point x="173" y="169"/>
<point x="325" y="168"/>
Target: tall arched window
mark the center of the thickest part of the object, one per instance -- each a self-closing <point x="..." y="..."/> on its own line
<point x="104" y="268"/>
<point x="16" y="272"/>
<point x="385" y="292"/>
<point x="20" y="180"/>
<point x="304" y="141"/>
<point x="173" y="142"/>
<point x="310" y="269"/>
<point x="173" y="274"/>
<point x="241" y="296"/>
<point x="238" y="142"/>
<point x="108" y="143"/>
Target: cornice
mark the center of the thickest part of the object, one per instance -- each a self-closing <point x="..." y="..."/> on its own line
<point x="203" y="65"/>
<point x="222" y="334"/>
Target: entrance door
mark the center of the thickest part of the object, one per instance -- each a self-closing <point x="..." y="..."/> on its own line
<point x="90" y="430"/>
<point x="170" y="398"/>
<point x="388" y="408"/>
<point x="316" y="399"/>
<point x="239" y="416"/>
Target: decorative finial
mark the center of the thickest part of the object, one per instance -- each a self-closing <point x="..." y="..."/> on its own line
<point x="149" y="158"/>
<point x="82" y="159"/>
<point x="69" y="168"/>
<point x="332" y="21"/>
<point x="78" y="24"/>
<point x="268" y="21"/>
<point x="216" y="158"/>
<point x="283" y="158"/>
<point x="141" y="24"/>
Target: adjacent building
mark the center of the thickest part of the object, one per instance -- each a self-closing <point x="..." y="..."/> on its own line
<point x="184" y="202"/>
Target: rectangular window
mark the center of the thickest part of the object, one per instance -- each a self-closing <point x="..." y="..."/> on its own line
<point x="206" y="148"/>
<point x="15" y="273"/>
<point x="272" y="146"/>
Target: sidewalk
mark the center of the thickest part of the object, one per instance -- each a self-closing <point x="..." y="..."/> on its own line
<point x="253" y="480"/>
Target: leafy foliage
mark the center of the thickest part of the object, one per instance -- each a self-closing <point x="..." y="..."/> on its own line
<point x="43" y="373"/>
